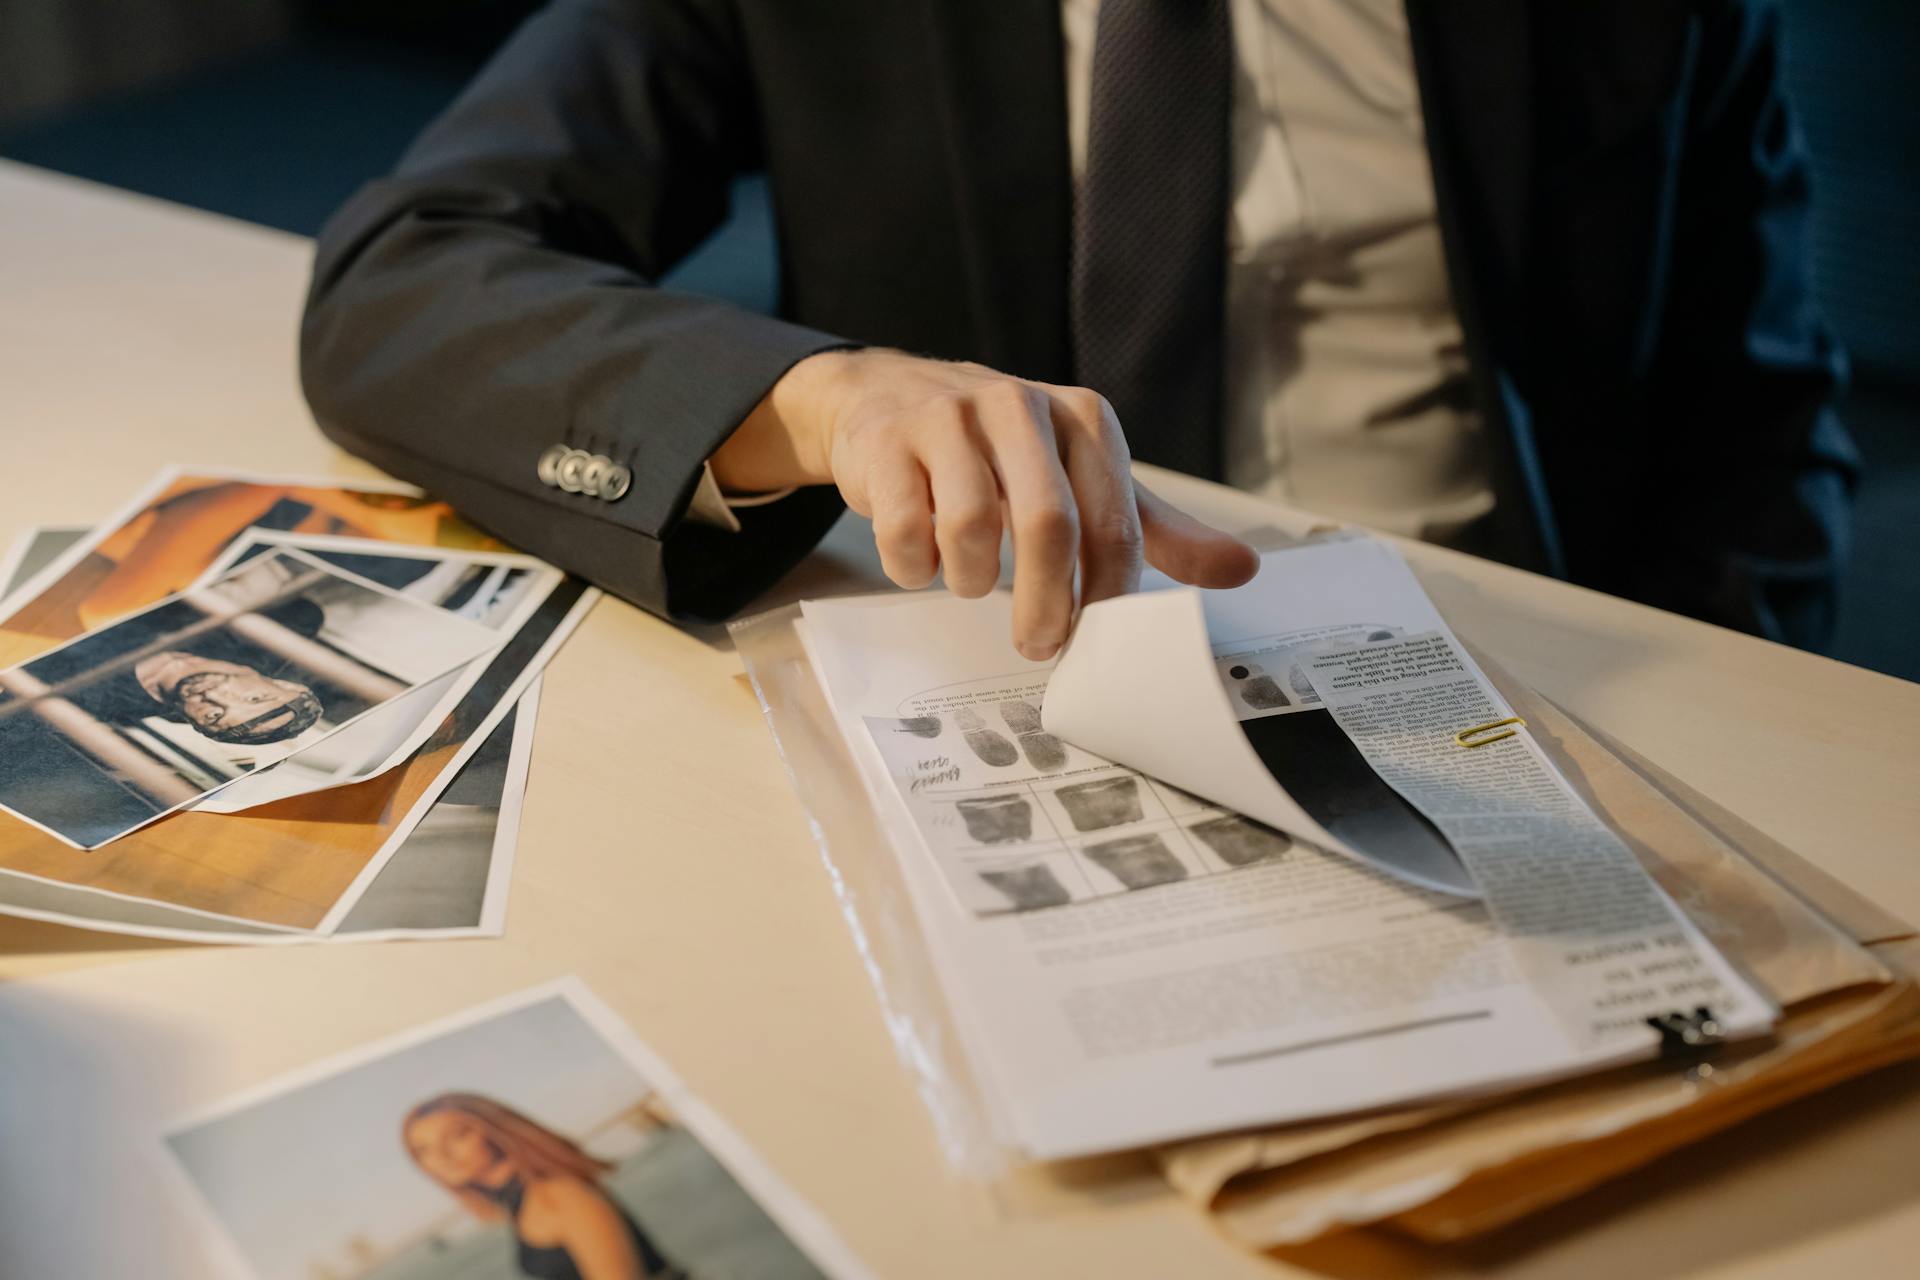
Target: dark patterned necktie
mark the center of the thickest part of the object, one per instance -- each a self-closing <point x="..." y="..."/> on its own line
<point x="1150" y="226"/>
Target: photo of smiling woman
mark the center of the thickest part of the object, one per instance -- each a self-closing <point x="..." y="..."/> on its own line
<point x="534" y="1137"/>
<point x="504" y="1167"/>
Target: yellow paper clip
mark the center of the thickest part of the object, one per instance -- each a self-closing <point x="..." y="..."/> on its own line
<point x="1477" y="741"/>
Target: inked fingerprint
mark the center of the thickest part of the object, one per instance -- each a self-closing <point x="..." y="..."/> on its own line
<point x="920" y="726"/>
<point x="1239" y="841"/>
<point x="1107" y="802"/>
<point x="1021" y="716"/>
<point x="1137" y="861"/>
<point x="1262" y="694"/>
<point x="1044" y="751"/>
<point x="992" y="747"/>
<point x="997" y="819"/>
<point x="1028" y="888"/>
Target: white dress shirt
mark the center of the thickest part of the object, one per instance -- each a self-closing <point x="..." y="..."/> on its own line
<point x="1346" y="377"/>
<point x="1346" y="373"/>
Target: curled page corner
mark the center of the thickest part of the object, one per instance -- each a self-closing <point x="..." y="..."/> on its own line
<point x="1138" y="684"/>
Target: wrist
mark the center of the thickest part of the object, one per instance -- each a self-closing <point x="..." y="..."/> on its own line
<point x="809" y="401"/>
<point x="788" y="438"/>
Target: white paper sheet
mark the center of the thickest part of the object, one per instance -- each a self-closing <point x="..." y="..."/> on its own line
<point x="1332" y="671"/>
<point x="1305" y="985"/>
<point x="1588" y="925"/>
<point x="1133" y="685"/>
<point x="1018" y="820"/>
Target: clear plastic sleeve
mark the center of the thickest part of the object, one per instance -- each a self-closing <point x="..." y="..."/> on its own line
<point x="873" y="896"/>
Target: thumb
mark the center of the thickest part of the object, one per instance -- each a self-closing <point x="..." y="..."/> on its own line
<point x="1186" y="550"/>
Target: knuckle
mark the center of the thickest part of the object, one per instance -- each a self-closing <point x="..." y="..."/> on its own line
<point x="1087" y="405"/>
<point x="1050" y="528"/>
<point x="888" y="476"/>
<point x="942" y="404"/>
<point x="947" y="413"/>
<point x="898" y="529"/>
<point x="1005" y="396"/>
<point x="869" y="435"/>
<point x="970" y="573"/>
<point x="972" y="526"/>
<point x="1115" y="537"/>
<point x="904" y="537"/>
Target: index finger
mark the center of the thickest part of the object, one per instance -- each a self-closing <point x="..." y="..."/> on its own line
<point x="1018" y="424"/>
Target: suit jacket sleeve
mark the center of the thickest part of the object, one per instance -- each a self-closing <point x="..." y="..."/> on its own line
<point x="1755" y="524"/>
<point x="497" y="296"/>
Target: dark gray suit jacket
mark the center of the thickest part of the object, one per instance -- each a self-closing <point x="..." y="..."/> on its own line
<point x="1621" y="194"/>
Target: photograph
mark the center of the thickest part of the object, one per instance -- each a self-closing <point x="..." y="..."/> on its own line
<point x="497" y="590"/>
<point x="452" y="874"/>
<point x="162" y="541"/>
<point x="448" y="878"/>
<point x="149" y="713"/>
<point x="302" y="864"/>
<point x="533" y="1137"/>
<point x="32" y="552"/>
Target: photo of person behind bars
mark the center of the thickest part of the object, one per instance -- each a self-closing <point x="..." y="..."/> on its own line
<point x="152" y="712"/>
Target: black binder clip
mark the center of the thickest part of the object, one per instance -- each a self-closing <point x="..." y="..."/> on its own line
<point x="1685" y="1036"/>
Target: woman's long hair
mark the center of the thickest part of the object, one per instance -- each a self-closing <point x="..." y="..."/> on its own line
<point x="536" y="1151"/>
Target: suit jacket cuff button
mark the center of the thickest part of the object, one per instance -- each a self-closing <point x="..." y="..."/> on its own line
<point x="548" y="468"/>
<point x="567" y="474"/>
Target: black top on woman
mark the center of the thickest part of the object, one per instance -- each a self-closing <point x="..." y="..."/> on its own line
<point x="554" y="1262"/>
<point x="507" y="1168"/>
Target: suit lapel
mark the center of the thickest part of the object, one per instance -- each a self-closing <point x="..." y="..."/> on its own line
<point x="1475" y="64"/>
<point x="1000" y="89"/>
<point x="1474" y="59"/>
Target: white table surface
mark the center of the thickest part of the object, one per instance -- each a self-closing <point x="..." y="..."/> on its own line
<point x="664" y="858"/>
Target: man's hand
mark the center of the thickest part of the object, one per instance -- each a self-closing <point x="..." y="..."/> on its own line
<point x="945" y="457"/>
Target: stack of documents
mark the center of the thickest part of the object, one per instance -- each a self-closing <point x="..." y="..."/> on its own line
<point x="257" y="709"/>
<point x="1290" y="863"/>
